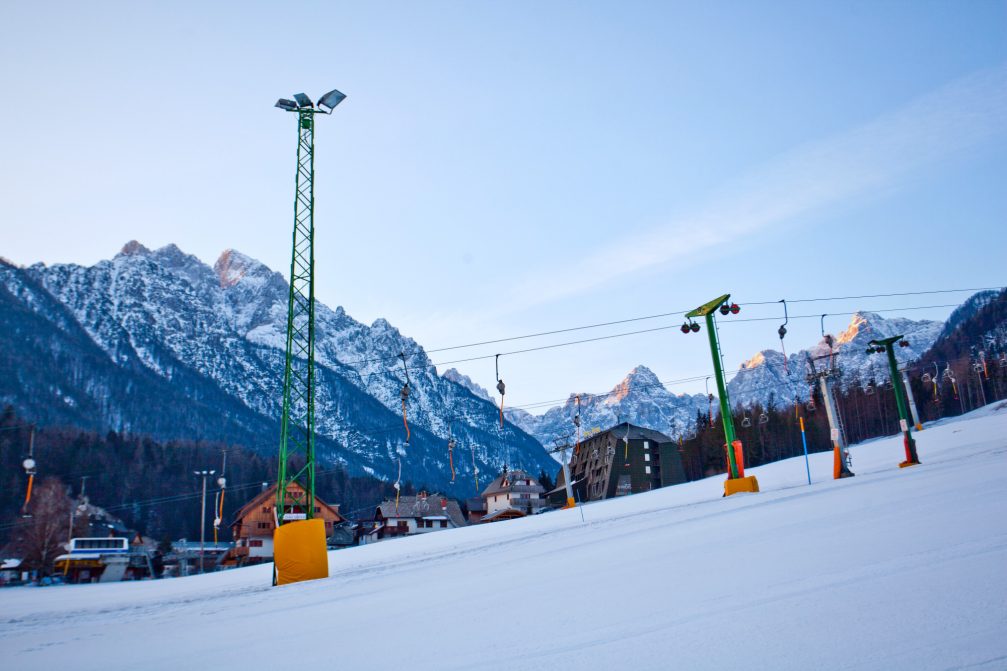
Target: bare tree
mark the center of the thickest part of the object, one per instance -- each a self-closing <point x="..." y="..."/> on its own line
<point x="44" y="535"/>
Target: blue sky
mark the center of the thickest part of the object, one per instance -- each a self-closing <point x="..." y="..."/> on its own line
<point x="505" y="168"/>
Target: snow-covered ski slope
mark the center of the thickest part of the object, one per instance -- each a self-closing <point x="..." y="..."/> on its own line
<point x="894" y="569"/>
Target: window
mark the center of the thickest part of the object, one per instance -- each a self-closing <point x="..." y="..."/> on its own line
<point x="646" y="444"/>
<point x="646" y="457"/>
<point x="317" y="509"/>
<point x="265" y="509"/>
<point x="264" y="525"/>
<point x="444" y="524"/>
<point x="255" y="543"/>
<point x="647" y="470"/>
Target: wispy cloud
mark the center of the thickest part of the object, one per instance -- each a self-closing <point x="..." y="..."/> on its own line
<point x="858" y="162"/>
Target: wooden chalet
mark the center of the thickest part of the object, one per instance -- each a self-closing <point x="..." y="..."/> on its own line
<point x="605" y="466"/>
<point x="253" y="525"/>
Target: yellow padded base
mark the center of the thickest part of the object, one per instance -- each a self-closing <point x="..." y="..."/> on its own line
<point x="299" y="551"/>
<point x="735" y="485"/>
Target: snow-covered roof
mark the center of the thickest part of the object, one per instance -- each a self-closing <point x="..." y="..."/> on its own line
<point x="422" y="507"/>
<point x="504" y="483"/>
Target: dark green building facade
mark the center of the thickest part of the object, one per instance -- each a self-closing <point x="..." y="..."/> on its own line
<point x="625" y="459"/>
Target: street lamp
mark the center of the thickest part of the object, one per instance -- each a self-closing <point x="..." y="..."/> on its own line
<point x="297" y="424"/>
<point x="202" y="517"/>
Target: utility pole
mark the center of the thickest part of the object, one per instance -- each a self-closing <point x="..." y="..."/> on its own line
<point x="301" y="552"/>
<point x="912" y="400"/>
<point x="202" y="518"/>
<point x="840" y="453"/>
<point x="736" y="480"/>
<point x="887" y="345"/>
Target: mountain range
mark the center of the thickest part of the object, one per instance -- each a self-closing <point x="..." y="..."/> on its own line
<point x="767" y="379"/>
<point x="158" y="342"/>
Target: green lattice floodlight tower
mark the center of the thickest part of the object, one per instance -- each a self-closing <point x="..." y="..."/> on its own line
<point x="887" y="345"/>
<point x="297" y="428"/>
<point x="736" y="480"/>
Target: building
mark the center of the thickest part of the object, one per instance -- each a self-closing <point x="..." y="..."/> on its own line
<point x="253" y="525"/>
<point x="476" y="508"/>
<point x="512" y="494"/>
<point x="412" y="515"/>
<point x="104" y="559"/>
<point x="12" y="572"/>
<point x="191" y="557"/>
<point x="605" y="466"/>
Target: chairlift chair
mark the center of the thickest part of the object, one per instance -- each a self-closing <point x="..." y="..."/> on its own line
<point x="763" y="418"/>
<point x="746" y="421"/>
<point x="869" y="389"/>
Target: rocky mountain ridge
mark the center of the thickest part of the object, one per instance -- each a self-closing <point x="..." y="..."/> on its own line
<point x="162" y="324"/>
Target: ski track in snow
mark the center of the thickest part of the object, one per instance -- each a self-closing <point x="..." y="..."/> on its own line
<point x="893" y="569"/>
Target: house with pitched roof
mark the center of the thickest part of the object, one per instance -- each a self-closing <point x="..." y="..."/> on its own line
<point x="512" y="494"/>
<point x="413" y="515"/>
<point x="253" y="525"/>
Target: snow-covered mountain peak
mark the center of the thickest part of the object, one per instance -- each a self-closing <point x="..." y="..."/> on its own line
<point x="639" y="398"/>
<point x="381" y="324"/>
<point x="767" y="357"/>
<point x="233" y="267"/>
<point x="464" y="380"/>
<point x="860" y="322"/>
<point x="638" y="379"/>
<point x="133" y="248"/>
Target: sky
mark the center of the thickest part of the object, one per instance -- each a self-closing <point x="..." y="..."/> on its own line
<point x="505" y="168"/>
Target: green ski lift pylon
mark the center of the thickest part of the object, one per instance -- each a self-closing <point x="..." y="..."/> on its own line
<point x="736" y="480"/>
<point x="297" y="424"/>
<point x="887" y="345"/>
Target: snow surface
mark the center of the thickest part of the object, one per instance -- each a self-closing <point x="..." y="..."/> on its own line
<point x="893" y="569"/>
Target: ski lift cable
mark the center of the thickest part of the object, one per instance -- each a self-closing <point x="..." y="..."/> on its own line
<point x="424" y="367"/>
<point x="662" y="383"/>
<point x="668" y="314"/>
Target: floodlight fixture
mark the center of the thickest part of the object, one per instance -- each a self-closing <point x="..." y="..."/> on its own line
<point x="303" y="100"/>
<point x="285" y="104"/>
<point x="331" y="99"/>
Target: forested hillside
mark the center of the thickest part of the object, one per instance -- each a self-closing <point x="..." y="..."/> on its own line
<point x="151" y="485"/>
